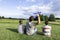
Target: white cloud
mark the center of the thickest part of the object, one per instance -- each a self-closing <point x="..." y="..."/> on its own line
<point x="33" y="0"/>
<point x="10" y="13"/>
<point x="35" y="8"/>
<point x="18" y="7"/>
<point x="30" y="0"/>
<point x="29" y="10"/>
<point x="57" y="14"/>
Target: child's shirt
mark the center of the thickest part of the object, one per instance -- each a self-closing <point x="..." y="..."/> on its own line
<point x="46" y="29"/>
<point x="21" y="29"/>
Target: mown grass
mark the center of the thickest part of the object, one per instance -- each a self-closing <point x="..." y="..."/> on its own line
<point x="8" y="31"/>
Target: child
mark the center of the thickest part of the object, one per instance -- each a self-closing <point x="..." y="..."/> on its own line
<point x="20" y="28"/>
<point x="46" y="29"/>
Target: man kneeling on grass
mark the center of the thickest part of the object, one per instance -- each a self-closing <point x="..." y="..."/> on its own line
<point x="46" y="29"/>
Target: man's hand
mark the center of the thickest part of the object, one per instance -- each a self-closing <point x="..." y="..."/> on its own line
<point x="38" y="15"/>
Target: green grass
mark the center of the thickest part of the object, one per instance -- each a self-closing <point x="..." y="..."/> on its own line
<point x="8" y="31"/>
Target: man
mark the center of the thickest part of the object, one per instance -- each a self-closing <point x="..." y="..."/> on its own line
<point x="30" y="28"/>
<point x="46" y="29"/>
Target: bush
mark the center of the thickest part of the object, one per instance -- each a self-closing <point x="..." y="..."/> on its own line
<point x="51" y="17"/>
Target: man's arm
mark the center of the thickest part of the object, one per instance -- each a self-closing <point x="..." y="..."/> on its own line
<point x="38" y="21"/>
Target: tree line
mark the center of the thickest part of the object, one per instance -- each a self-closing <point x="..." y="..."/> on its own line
<point x="44" y="18"/>
<point x="2" y="17"/>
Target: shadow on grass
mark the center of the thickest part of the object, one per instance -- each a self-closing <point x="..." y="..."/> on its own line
<point x="40" y="33"/>
<point x="13" y="30"/>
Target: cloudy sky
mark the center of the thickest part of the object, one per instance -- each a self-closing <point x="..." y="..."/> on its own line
<point x="26" y="8"/>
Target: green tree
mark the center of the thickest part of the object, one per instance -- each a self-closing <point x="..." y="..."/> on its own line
<point x="3" y="17"/>
<point x="41" y="17"/>
<point x="46" y="18"/>
<point x="9" y="18"/>
<point x="0" y="17"/>
<point x="51" y="17"/>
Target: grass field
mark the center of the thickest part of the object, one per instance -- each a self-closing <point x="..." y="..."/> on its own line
<point x="8" y="31"/>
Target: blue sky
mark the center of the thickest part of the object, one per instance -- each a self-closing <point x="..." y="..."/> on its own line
<point x="26" y="8"/>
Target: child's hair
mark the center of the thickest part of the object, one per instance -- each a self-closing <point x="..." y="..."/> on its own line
<point x="46" y="22"/>
<point x="20" y="21"/>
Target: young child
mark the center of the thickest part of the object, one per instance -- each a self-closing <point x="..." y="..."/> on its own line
<point x="20" y="27"/>
<point x="46" y="29"/>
